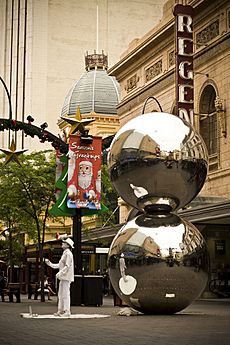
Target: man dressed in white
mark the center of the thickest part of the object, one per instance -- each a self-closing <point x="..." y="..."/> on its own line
<point x="66" y="276"/>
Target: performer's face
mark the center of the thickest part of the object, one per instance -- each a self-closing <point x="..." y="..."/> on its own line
<point x="64" y="245"/>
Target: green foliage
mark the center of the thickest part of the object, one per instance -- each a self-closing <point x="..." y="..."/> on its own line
<point x="27" y="191"/>
<point x="108" y="197"/>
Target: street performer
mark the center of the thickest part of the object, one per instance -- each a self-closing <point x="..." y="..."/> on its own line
<point x="65" y="275"/>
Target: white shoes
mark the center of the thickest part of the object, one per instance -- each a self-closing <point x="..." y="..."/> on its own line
<point x="62" y="313"/>
<point x="66" y="314"/>
<point x="59" y="313"/>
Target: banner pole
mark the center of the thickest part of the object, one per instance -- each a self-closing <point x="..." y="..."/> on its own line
<point x="77" y="242"/>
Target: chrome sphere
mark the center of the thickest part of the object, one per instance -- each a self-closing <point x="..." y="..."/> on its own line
<point x="157" y="161"/>
<point x="158" y="264"/>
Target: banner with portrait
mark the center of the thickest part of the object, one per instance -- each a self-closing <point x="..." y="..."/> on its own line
<point x="84" y="173"/>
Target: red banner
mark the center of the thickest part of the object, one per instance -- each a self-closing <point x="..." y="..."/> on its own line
<point x="84" y="173"/>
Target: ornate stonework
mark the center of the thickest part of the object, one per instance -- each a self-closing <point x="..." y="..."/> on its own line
<point x="132" y="83"/>
<point x="208" y="33"/>
<point x="171" y="58"/>
<point x="153" y="71"/>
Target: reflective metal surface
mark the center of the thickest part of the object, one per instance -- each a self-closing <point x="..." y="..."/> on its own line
<point x="164" y="266"/>
<point x="157" y="161"/>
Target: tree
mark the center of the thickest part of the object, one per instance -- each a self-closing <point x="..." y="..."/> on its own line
<point x="12" y="247"/>
<point x="27" y="191"/>
<point x="109" y="197"/>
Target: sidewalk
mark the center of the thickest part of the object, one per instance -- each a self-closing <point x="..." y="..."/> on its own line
<point x="204" y="322"/>
<point x="50" y="307"/>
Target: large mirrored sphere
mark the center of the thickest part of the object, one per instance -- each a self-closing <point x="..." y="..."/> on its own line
<point x="159" y="161"/>
<point x="158" y="264"/>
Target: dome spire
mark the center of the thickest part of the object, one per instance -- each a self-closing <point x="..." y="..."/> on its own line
<point x="96" y="61"/>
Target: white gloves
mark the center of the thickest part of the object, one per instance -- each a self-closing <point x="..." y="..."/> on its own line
<point x="47" y="261"/>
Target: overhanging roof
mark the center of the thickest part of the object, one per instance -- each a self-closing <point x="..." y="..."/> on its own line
<point x="208" y="214"/>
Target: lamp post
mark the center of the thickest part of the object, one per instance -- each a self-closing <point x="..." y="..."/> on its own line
<point x="8" y="233"/>
<point x="77" y="242"/>
<point x="219" y="105"/>
<point x="9" y="101"/>
<point x="8" y="96"/>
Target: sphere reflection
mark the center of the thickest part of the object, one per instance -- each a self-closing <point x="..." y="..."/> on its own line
<point x="158" y="263"/>
<point x="157" y="161"/>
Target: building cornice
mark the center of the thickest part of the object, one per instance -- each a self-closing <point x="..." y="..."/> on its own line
<point x="158" y="84"/>
<point x="143" y="46"/>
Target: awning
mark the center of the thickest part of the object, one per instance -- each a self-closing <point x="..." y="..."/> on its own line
<point x="218" y="213"/>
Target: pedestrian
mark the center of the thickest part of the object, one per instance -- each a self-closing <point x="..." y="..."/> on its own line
<point x="3" y="282"/>
<point x="65" y="275"/>
<point x="47" y="288"/>
<point x="105" y="280"/>
<point x="122" y="266"/>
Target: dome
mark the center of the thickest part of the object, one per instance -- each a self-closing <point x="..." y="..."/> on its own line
<point x="95" y="91"/>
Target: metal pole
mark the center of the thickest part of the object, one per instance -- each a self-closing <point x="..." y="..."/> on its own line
<point x="77" y="242"/>
<point x="9" y="99"/>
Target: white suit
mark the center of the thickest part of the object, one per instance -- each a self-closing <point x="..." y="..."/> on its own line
<point x="66" y="276"/>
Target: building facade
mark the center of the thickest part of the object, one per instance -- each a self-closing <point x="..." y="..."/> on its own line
<point x="148" y="70"/>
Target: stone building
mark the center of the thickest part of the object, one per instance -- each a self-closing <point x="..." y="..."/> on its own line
<point x="147" y="69"/>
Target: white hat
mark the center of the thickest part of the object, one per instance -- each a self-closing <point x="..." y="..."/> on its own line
<point x="69" y="242"/>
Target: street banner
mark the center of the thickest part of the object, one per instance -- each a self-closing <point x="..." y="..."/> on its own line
<point x="84" y="173"/>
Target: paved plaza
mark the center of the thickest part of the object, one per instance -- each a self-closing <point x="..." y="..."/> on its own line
<point x="204" y="322"/>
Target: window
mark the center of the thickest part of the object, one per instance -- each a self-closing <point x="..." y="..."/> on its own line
<point x="220" y="247"/>
<point x="208" y="124"/>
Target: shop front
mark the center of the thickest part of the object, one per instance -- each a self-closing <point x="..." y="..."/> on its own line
<point x="213" y="221"/>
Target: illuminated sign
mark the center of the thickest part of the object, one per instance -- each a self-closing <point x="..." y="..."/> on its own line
<point x="184" y="62"/>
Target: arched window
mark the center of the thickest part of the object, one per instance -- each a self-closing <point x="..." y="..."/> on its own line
<point x="208" y="124"/>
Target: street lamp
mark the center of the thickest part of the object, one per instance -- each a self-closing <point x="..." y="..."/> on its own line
<point x="9" y="101"/>
<point x="8" y="234"/>
<point x="219" y="105"/>
<point x="8" y="96"/>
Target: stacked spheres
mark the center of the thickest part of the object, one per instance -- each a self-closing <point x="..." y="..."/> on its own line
<point x="158" y="262"/>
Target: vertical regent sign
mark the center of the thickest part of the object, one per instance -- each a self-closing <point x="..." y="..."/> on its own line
<point x="184" y="62"/>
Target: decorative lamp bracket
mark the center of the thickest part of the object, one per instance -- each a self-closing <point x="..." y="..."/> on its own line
<point x="221" y="115"/>
<point x="146" y="101"/>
